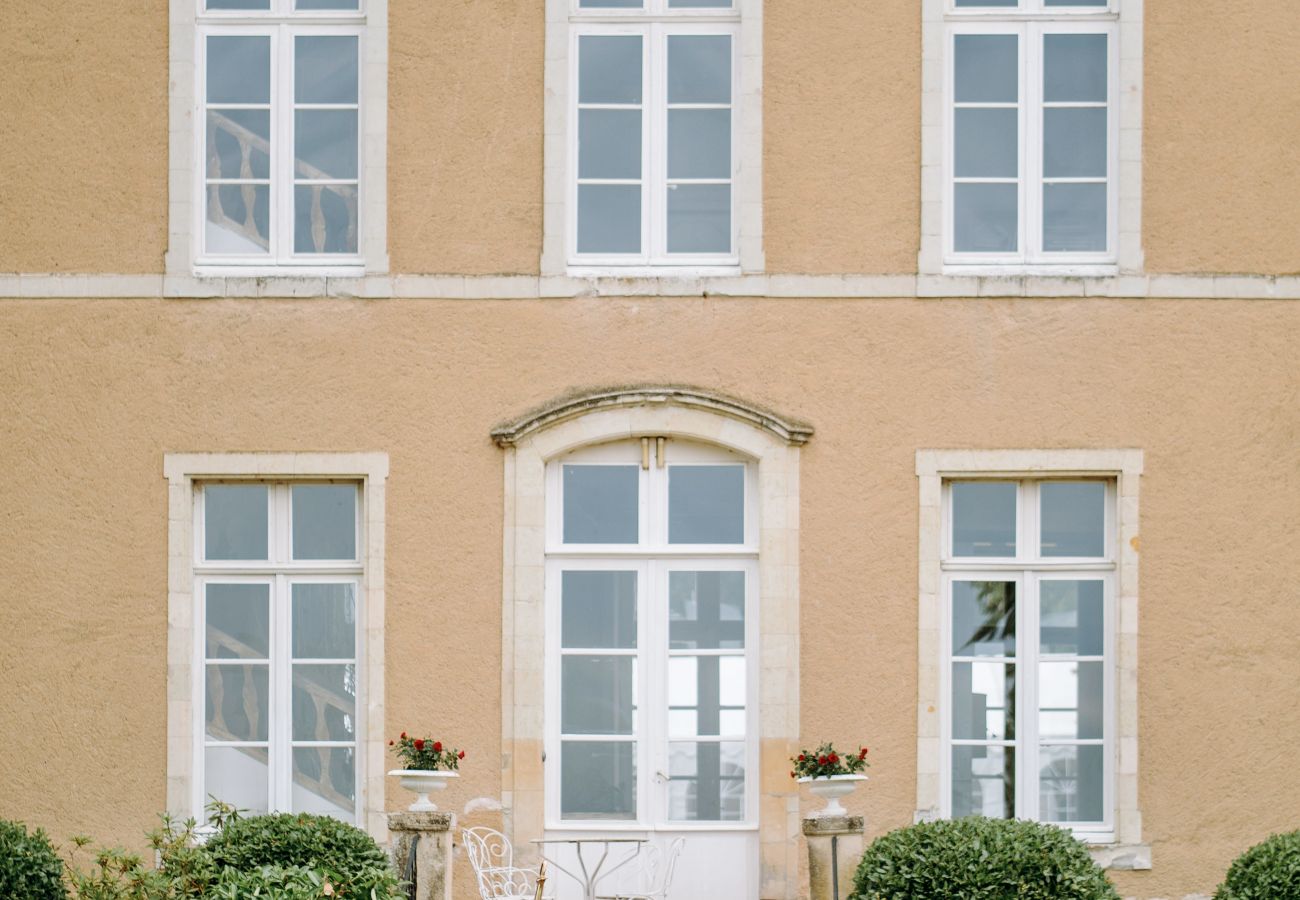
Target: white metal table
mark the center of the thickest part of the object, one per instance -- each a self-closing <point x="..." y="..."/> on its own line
<point x="588" y="877"/>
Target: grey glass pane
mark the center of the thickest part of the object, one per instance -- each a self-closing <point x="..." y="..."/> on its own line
<point x="325" y="143"/>
<point x="327" y="4"/>
<point x="601" y="504"/>
<point x="983" y="782"/>
<point x="234" y="521"/>
<point x="984" y="518"/>
<point x="238" y="621"/>
<point x="1075" y="2"/>
<point x="700" y="4"/>
<point x="238" y="4"/>
<point x="238" y="776"/>
<point x="986" y="218"/>
<point x="238" y="219"/>
<point x="983" y="701"/>
<point x="699" y="218"/>
<point x="986" y="143"/>
<point x="325" y="781"/>
<point x="706" y="504"/>
<point x="706" y="781"/>
<point x="699" y="68"/>
<point x="324" y="621"/>
<point x="1074" y="142"/>
<point x="986" y="68"/>
<point x="1071" y="700"/>
<point x="609" y="218"/>
<point x="1072" y="617"/>
<point x="239" y="69"/>
<point x="1073" y="518"/>
<point x="983" y="618"/>
<point x="609" y="143"/>
<point x="706" y="696"/>
<point x="239" y="143"/>
<point x="699" y="143"/>
<point x="611" y="4"/>
<point x="609" y="68"/>
<point x="325" y="69"/>
<point x="236" y="702"/>
<point x="986" y="3"/>
<point x="324" y="521"/>
<point x="325" y="218"/>
<point x="325" y="703"/>
<point x="706" y="610"/>
<point x="598" y="610"/>
<point x="1074" y="218"/>
<point x="1071" y="784"/>
<point x="597" y="780"/>
<point x="1074" y="68"/>
<point x="597" y="694"/>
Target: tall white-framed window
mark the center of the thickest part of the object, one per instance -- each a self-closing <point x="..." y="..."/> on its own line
<point x="279" y="693"/>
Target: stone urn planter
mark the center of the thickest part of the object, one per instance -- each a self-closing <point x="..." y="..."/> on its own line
<point x="423" y="782"/>
<point x="832" y="788"/>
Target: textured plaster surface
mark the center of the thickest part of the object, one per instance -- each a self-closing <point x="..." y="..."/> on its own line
<point x="95" y="392"/>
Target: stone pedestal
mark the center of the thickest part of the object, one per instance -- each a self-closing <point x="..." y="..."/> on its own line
<point x="834" y="848"/>
<point x="428" y="836"/>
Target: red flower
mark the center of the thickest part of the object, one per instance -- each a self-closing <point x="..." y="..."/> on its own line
<point x="802" y="757"/>
<point x="460" y="755"/>
<point x="862" y="754"/>
<point x="390" y="743"/>
<point x="821" y="760"/>
<point x="437" y="746"/>
<point x="403" y="735"/>
<point x="792" y="775"/>
<point x="834" y="758"/>
<point x="419" y="743"/>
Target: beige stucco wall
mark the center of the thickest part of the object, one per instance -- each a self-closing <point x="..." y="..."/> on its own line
<point x="97" y="391"/>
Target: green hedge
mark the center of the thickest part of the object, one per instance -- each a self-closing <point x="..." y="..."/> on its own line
<point x="29" y="867"/>
<point x="980" y="859"/>
<point x="1267" y="871"/>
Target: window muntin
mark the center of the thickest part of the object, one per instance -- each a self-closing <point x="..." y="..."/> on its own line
<point x="280" y="714"/>
<point x="279" y="88"/>
<point x="1029" y="651"/>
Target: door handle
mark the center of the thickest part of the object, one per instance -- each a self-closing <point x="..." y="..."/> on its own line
<point x="661" y="778"/>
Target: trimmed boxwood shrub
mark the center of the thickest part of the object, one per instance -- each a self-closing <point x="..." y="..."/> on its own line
<point x="1267" y="871"/>
<point x="980" y="859"/>
<point x="29" y="867"/>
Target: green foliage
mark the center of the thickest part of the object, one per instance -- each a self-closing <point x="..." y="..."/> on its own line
<point x="281" y="883"/>
<point x="426" y="754"/>
<point x="980" y="859"/>
<point x="29" y="867"/>
<point x="1267" y="871"/>
<point x="184" y="869"/>
<point x="825" y="761"/>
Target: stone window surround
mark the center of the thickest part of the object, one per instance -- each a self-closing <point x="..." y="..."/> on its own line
<point x="625" y="414"/>
<point x="182" y="471"/>
<point x="932" y="467"/>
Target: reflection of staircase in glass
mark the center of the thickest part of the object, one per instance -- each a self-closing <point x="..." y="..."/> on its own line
<point x="246" y="227"/>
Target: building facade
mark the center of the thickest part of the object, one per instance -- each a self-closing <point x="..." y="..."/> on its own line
<point x="635" y="392"/>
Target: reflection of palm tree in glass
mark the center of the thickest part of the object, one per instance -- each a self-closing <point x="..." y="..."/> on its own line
<point x="997" y="603"/>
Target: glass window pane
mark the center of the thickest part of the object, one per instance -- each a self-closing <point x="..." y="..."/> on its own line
<point x="238" y="621"/>
<point x="1071" y="784"/>
<point x="238" y="220"/>
<point x="987" y="3"/>
<point x="987" y="143"/>
<point x="238" y="4"/>
<point x="597" y="694"/>
<point x="239" y="69"/>
<point x="325" y="218"/>
<point x="609" y="143"/>
<point x="601" y="504"/>
<point x="325" y="69"/>
<point x="327" y="4"/>
<point x="609" y="218"/>
<point x="325" y="703"/>
<point x="324" y="521"/>
<point x="699" y="143"/>
<point x="325" y="781"/>
<point x="983" y="618"/>
<point x="609" y="69"/>
<point x="699" y="68"/>
<point x="238" y="776"/>
<point x="1074" y="518"/>
<point x="610" y="4"/>
<point x="324" y="621"/>
<point x="699" y="218"/>
<point x="706" y="610"/>
<point x="986" y="68"/>
<point x="706" y="696"/>
<point x="1074" y="142"/>
<point x="1074" y="218"/>
<point x="597" y="780"/>
<point x="1071" y="700"/>
<point x="986" y="218"/>
<point x="239" y="143"/>
<point x="706" y="781"/>
<point x="984" y="701"/>
<point x="983" y="782"/>
<point x="236" y="702"/>
<point x="1072" y="617"/>
<point x="598" y="609"/>
<point x="325" y="143"/>
<point x="234" y="521"/>
<point x="1074" y="68"/>
<point x="699" y="4"/>
<point x="984" y="518"/>
<point x="706" y="504"/>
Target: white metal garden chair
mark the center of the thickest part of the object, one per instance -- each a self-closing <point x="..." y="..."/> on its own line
<point x="648" y="879"/>
<point x="492" y="859"/>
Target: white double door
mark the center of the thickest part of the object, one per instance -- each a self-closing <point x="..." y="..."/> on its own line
<point x="651" y="716"/>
